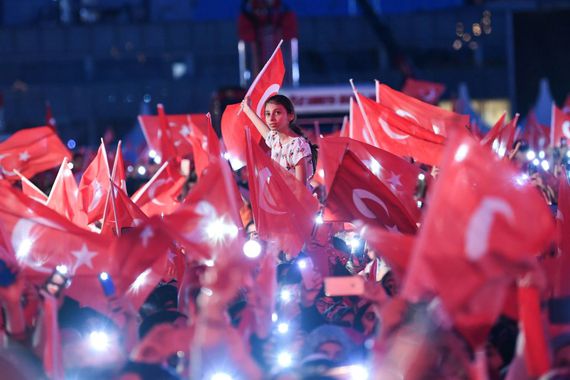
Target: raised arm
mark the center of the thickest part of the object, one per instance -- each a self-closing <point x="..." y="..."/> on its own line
<point x="260" y="125"/>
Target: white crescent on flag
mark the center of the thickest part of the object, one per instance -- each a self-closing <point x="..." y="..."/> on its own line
<point x="97" y="195"/>
<point x="480" y="224"/>
<point x="152" y="190"/>
<point x="386" y="128"/>
<point x="357" y="198"/>
<point x="273" y="89"/>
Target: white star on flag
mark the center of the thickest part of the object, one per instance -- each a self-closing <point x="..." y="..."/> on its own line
<point x="24" y="156"/>
<point x="185" y="131"/>
<point x="84" y="257"/>
<point x="394" y="180"/>
<point x="146" y="234"/>
<point x="393" y="229"/>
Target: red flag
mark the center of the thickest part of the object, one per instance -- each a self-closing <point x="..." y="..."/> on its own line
<point x="208" y="221"/>
<point x="120" y="213"/>
<point x="560" y="264"/>
<point x="180" y="129"/>
<point x="118" y="174"/>
<point x="395" y="248"/>
<point x="501" y="137"/>
<point x="358" y="129"/>
<point x="266" y="84"/>
<point x="139" y="260"/>
<point x="94" y="186"/>
<point x="32" y="190"/>
<point x="50" y="120"/>
<point x="42" y="239"/>
<point x="474" y="234"/>
<point x="537" y="135"/>
<point x="397" y="174"/>
<point x="205" y="143"/>
<point x="494" y="132"/>
<point x="357" y="194"/>
<point x="425" y="115"/>
<point x="159" y="195"/>
<point x="63" y="196"/>
<point x="31" y="151"/>
<point x="429" y="92"/>
<point x="398" y="135"/>
<point x="560" y="126"/>
<point x="283" y="208"/>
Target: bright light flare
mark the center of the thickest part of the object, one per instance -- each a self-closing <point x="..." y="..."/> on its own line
<point x="221" y="376"/>
<point x="152" y="153"/>
<point x="284" y="359"/>
<point x="359" y="372"/>
<point x="217" y="230"/>
<point x="283" y="328"/>
<point x="62" y="269"/>
<point x="545" y="165"/>
<point x="530" y="155"/>
<point x="141" y="170"/>
<point x="252" y="249"/>
<point x="99" y="340"/>
<point x="104" y="276"/>
<point x="319" y="219"/>
<point x="286" y="295"/>
<point x="541" y="154"/>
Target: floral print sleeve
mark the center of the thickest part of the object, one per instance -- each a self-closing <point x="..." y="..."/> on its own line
<point x="299" y="149"/>
<point x="271" y="138"/>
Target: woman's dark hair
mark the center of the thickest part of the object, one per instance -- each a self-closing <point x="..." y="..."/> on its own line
<point x="290" y="108"/>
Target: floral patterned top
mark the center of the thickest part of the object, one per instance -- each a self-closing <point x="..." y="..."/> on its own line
<point x="289" y="153"/>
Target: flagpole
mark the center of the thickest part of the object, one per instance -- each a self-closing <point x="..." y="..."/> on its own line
<point x="108" y="173"/>
<point x="364" y="115"/>
<point x="112" y="195"/>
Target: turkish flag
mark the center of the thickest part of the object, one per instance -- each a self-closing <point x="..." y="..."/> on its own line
<point x="118" y="174"/>
<point x="394" y="247"/>
<point x="357" y="128"/>
<point x="94" y="186"/>
<point x="266" y="84"/>
<point x="139" y="260"/>
<point x="50" y="120"/>
<point x="32" y="190"/>
<point x="476" y="237"/>
<point x="159" y="195"/>
<point x="357" y="194"/>
<point x="208" y="222"/>
<point x="41" y="239"/>
<point x="560" y="127"/>
<point x="399" y="135"/>
<point x="31" y="151"/>
<point x="429" y="92"/>
<point x="205" y="143"/>
<point x="283" y="209"/>
<point x="500" y="138"/>
<point x="559" y="265"/>
<point x="536" y="134"/>
<point x="166" y="134"/>
<point x="63" y="196"/>
<point x="120" y="213"/>
<point x="494" y="132"/>
<point x="397" y="174"/>
<point x="425" y="115"/>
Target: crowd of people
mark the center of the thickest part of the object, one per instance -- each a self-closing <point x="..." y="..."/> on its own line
<point x="280" y="314"/>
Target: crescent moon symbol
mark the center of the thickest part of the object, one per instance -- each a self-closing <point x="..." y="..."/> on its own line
<point x="480" y="224"/>
<point x="357" y="198"/>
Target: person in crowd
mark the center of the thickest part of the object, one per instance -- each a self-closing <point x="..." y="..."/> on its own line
<point x="289" y="147"/>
